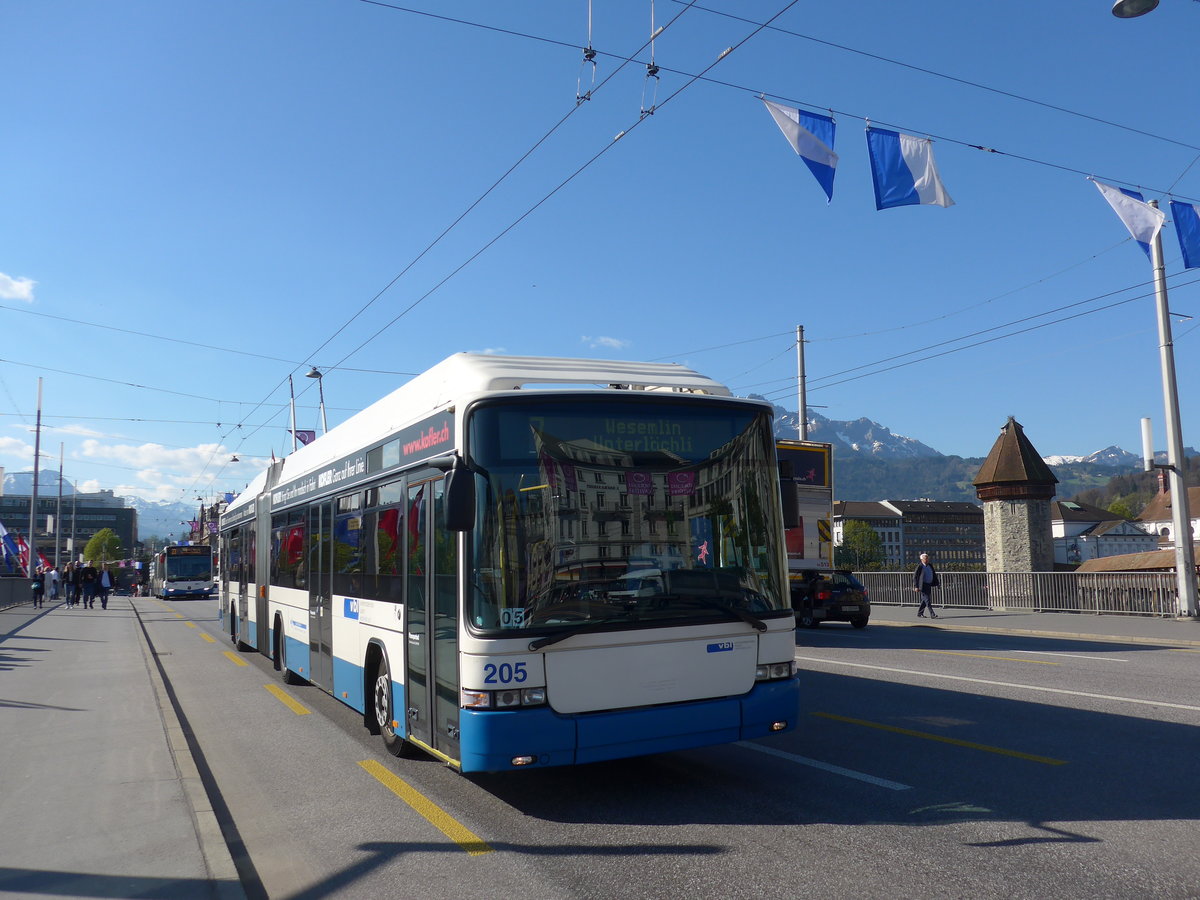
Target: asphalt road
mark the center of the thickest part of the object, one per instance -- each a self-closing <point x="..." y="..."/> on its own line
<point x="927" y="764"/>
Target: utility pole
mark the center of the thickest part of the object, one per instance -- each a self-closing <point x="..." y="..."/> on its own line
<point x="802" y="415"/>
<point x="58" y="512"/>
<point x="292" y="405"/>
<point x="33" y="498"/>
<point x="1181" y="520"/>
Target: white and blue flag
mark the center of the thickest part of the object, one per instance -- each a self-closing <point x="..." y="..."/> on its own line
<point x="811" y="136"/>
<point x="903" y="170"/>
<point x="1143" y="220"/>
<point x="1187" y="227"/>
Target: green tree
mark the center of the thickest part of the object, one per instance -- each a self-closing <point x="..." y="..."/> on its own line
<point x="104" y="547"/>
<point x="861" y="547"/>
<point x="1122" y="507"/>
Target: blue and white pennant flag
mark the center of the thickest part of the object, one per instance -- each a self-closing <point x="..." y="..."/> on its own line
<point x="811" y="136"/>
<point x="1187" y="227"/>
<point x="1143" y="220"/>
<point x="903" y="170"/>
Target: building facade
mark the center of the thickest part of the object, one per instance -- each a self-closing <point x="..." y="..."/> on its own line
<point x="69" y="525"/>
<point x="1084" y="532"/>
<point x="951" y="532"/>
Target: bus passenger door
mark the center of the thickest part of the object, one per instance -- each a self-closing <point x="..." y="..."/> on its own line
<point x="431" y="677"/>
<point x="320" y="594"/>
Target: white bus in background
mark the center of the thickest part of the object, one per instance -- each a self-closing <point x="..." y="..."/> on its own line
<point x="181" y="571"/>
<point x="454" y="562"/>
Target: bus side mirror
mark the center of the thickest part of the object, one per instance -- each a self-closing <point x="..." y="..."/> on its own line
<point x="459" y="497"/>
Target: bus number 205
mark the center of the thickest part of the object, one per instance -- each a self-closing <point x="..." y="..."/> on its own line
<point x="504" y="673"/>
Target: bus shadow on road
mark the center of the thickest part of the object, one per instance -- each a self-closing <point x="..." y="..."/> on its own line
<point x="942" y="756"/>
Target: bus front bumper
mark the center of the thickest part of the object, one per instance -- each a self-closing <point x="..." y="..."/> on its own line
<point x="492" y="739"/>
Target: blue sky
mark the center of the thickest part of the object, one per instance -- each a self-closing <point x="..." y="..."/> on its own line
<point x="199" y="198"/>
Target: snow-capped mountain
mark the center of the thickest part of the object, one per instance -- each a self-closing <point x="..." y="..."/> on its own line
<point x="162" y="517"/>
<point x="20" y="484"/>
<point x="1112" y="456"/>
<point x="861" y="437"/>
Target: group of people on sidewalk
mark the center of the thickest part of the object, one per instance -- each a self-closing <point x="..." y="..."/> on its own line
<point x="80" y="585"/>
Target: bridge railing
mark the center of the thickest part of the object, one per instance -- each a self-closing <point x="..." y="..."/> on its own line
<point x="1121" y="593"/>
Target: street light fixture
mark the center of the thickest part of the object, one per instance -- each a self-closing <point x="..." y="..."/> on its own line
<point x="315" y="373"/>
<point x="1131" y="9"/>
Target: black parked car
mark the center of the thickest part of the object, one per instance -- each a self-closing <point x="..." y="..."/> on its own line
<point x="829" y="596"/>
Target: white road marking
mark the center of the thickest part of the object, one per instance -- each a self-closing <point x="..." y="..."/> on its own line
<point x="1024" y="687"/>
<point x="1072" y="655"/>
<point x="827" y="767"/>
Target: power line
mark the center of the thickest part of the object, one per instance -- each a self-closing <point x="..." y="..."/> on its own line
<point x="820" y="106"/>
<point x="174" y="340"/>
<point x="1001" y="337"/>
<point x="449" y="227"/>
<point x="957" y="80"/>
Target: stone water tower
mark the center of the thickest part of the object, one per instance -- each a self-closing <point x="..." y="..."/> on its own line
<point x="1016" y="488"/>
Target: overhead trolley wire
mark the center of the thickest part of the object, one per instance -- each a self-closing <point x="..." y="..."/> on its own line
<point x="1059" y="321"/>
<point x="447" y="230"/>
<point x="821" y="106"/>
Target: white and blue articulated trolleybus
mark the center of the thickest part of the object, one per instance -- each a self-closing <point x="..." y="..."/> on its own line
<point x="517" y="561"/>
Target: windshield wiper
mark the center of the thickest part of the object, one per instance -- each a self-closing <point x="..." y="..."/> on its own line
<point x="723" y="607"/>
<point x="547" y="640"/>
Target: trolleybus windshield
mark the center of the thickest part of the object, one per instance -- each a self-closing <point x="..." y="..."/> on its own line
<point x="622" y="513"/>
<point x="188" y="563"/>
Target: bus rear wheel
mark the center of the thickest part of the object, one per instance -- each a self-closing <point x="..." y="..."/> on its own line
<point x="385" y="718"/>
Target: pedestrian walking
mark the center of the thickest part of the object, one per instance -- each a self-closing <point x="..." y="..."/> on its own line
<point x="925" y="579"/>
<point x="70" y="585"/>
<point x="87" y="581"/>
<point x="39" y="587"/>
<point x="76" y="585"/>
<point x="52" y="583"/>
<point x="106" y="581"/>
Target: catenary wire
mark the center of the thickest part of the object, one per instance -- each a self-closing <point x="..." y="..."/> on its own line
<point x="454" y="223"/>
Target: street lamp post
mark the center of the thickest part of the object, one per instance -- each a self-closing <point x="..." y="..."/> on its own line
<point x="1185" y="557"/>
<point x="316" y="373"/>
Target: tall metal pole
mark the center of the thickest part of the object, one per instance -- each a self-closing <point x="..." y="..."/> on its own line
<point x="292" y="394"/>
<point x="71" y="542"/>
<point x="321" y="393"/>
<point x="801" y="399"/>
<point x="58" y="512"/>
<point x="1181" y="520"/>
<point x="37" y="452"/>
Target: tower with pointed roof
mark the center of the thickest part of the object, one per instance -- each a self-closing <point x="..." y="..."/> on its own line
<point x="1016" y="486"/>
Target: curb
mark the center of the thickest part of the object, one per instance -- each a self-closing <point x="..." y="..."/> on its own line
<point x="1032" y="632"/>
<point x="218" y="862"/>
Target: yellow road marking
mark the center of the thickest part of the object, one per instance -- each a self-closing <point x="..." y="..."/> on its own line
<point x="190" y="624"/>
<point x="437" y="817"/>
<point x="1045" y="760"/>
<point x="235" y="659"/>
<point x="179" y="615"/>
<point x="1183" y="650"/>
<point x="208" y="637"/>
<point x="1038" y="662"/>
<point x="286" y="699"/>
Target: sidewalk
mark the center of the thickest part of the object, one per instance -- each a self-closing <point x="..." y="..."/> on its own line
<point x="1085" y="626"/>
<point x="100" y="796"/>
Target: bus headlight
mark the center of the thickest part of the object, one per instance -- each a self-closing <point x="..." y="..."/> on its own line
<point x="511" y="698"/>
<point x="775" y="671"/>
<point x="475" y="699"/>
